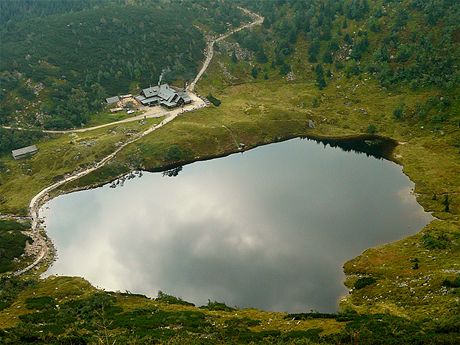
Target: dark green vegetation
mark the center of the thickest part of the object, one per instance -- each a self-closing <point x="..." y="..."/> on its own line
<point x="214" y="100"/>
<point x="13" y="11"/>
<point x="352" y="66"/>
<point x="363" y="282"/>
<point x="60" y="60"/>
<point x="169" y="299"/>
<point x="14" y="139"/>
<point x="10" y="288"/>
<point x="107" y="317"/>
<point x="452" y="283"/>
<point x="88" y="66"/>
<point x="413" y="42"/>
<point x="12" y="242"/>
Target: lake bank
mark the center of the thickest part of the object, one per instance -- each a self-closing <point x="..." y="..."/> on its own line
<point x="42" y="247"/>
<point x="370" y="199"/>
<point x="431" y="164"/>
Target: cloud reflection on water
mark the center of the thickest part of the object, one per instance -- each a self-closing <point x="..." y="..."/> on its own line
<point x="270" y="228"/>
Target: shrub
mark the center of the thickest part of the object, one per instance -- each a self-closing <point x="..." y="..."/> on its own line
<point x="311" y="315"/>
<point x="371" y="129"/>
<point x="216" y="102"/>
<point x="12" y="245"/>
<point x="455" y="283"/>
<point x="398" y="113"/>
<point x="8" y="225"/>
<point x="13" y="139"/>
<point x="217" y="306"/>
<point x="10" y="288"/>
<point x="363" y="282"/>
<point x="169" y="299"/>
<point x="435" y="242"/>
<point x="174" y="153"/>
<point x="40" y="303"/>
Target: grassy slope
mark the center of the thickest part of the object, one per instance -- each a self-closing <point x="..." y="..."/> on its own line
<point x="65" y="289"/>
<point x="58" y="155"/>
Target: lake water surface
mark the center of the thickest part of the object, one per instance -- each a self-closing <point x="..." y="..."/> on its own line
<point x="270" y="228"/>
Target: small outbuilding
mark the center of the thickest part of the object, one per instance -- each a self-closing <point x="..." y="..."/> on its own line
<point x="24" y="152"/>
<point x="115" y="110"/>
<point x="112" y="100"/>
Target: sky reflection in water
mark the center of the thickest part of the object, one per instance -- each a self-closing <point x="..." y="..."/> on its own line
<point x="270" y="228"/>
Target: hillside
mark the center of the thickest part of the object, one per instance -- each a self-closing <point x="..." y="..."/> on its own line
<point x="56" y="69"/>
<point x="354" y="68"/>
<point x="410" y="44"/>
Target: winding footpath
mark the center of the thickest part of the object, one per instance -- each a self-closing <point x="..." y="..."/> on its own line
<point x="43" y="196"/>
<point x="40" y="240"/>
<point x="154" y="112"/>
<point x="257" y="20"/>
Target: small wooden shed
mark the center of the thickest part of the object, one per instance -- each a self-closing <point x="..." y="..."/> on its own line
<point x="24" y="152"/>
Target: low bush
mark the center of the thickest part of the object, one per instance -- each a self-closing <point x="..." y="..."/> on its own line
<point x="435" y="242"/>
<point x="169" y="299"/>
<point x="174" y="154"/>
<point x="307" y="316"/>
<point x="12" y="244"/>
<point x="8" y="225"/>
<point x="363" y="282"/>
<point x="217" y="306"/>
<point x="10" y="287"/>
<point x="454" y="283"/>
<point x="216" y="102"/>
<point x="40" y="303"/>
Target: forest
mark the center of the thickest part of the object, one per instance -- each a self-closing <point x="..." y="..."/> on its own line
<point x="411" y="43"/>
<point x="402" y="44"/>
<point x="60" y="60"/>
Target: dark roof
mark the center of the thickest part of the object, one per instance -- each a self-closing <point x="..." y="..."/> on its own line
<point x="150" y="100"/>
<point x="168" y="103"/>
<point x="113" y="99"/>
<point x="150" y="91"/>
<point x="184" y="96"/>
<point x="164" y="94"/>
<point x="24" y="151"/>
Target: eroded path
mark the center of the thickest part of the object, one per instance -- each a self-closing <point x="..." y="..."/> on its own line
<point x="257" y="20"/>
<point x="154" y="112"/>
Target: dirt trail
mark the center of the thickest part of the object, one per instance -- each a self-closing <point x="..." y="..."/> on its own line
<point x="41" y="197"/>
<point x="40" y="240"/>
<point x="257" y="20"/>
<point x="197" y="103"/>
